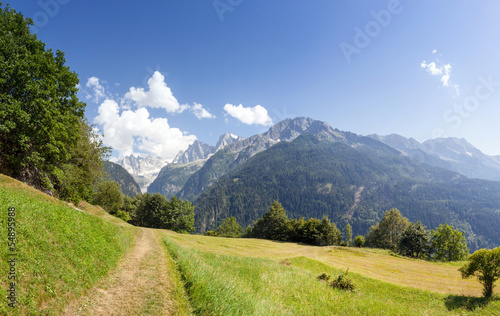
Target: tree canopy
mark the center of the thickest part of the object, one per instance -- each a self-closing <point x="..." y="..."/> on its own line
<point x="272" y="225"/>
<point x="228" y="228"/>
<point x="448" y="244"/>
<point x="44" y="138"/>
<point x="156" y="211"/>
<point x="485" y="265"/>
<point x="414" y="241"/>
<point x="387" y="232"/>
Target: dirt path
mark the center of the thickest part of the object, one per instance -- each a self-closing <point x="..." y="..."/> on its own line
<point x="139" y="286"/>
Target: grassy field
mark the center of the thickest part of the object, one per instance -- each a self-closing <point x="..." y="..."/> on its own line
<point x="258" y="277"/>
<point x="60" y="252"/>
<point x="63" y="255"/>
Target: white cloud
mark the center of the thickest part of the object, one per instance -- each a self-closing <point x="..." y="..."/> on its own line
<point x="200" y="112"/>
<point x="443" y="71"/>
<point x="159" y="95"/>
<point x="446" y="78"/>
<point x="434" y="51"/>
<point x="96" y="88"/>
<point x="132" y="131"/>
<point x="257" y="115"/>
<point x="431" y="68"/>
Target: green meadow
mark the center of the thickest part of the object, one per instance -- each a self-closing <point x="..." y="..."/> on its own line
<point x="63" y="253"/>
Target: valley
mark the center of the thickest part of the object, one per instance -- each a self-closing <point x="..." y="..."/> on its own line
<point x="161" y="272"/>
<point x="315" y="170"/>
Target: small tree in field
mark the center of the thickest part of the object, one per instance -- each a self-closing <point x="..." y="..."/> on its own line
<point x="485" y="265"/>
<point x="448" y="244"/>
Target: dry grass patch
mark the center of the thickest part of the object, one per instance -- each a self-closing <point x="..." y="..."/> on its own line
<point x="436" y="277"/>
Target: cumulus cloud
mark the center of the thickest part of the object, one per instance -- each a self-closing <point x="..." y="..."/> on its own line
<point x="252" y="116"/>
<point x="131" y="131"/>
<point x="158" y="95"/>
<point x="98" y="91"/>
<point x="443" y="71"/>
<point x="431" y="68"/>
<point x="200" y="112"/>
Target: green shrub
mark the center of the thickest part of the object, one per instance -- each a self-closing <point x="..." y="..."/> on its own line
<point x="323" y="277"/>
<point x="343" y="282"/>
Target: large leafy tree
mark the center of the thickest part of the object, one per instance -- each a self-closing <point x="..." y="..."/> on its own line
<point x="448" y="244"/>
<point x="387" y="232"/>
<point x="42" y="124"/>
<point x="179" y="216"/>
<point x="485" y="265"/>
<point x="157" y="211"/>
<point x="108" y="195"/>
<point x="272" y="225"/>
<point x="415" y="241"/>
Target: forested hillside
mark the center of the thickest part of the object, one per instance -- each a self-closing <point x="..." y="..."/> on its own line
<point x="173" y="176"/>
<point x="117" y="173"/>
<point x="312" y="178"/>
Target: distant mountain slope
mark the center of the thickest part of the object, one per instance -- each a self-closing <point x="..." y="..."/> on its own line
<point x="143" y="169"/>
<point x="451" y="153"/>
<point x="353" y="181"/>
<point x="173" y="176"/>
<point x="238" y="152"/>
<point x="199" y="150"/>
<point x="119" y="174"/>
<point x="196" y="151"/>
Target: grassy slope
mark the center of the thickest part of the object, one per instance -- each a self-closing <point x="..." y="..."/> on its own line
<point x="61" y="252"/>
<point x="223" y="276"/>
<point x="259" y="277"/>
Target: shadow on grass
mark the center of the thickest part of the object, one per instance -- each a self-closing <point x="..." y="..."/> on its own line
<point x="469" y="303"/>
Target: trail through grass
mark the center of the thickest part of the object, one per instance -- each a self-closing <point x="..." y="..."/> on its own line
<point x="141" y="285"/>
<point x="60" y="252"/>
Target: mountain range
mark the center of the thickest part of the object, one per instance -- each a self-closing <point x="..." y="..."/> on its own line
<point x="316" y="170"/>
<point x="144" y="170"/>
<point x="451" y="153"/>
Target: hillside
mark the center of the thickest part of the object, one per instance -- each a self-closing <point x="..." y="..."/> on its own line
<point x="90" y="263"/>
<point x="173" y="176"/>
<point x="227" y="276"/>
<point x="239" y="151"/>
<point x="351" y="183"/>
<point x="451" y="153"/>
<point x="119" y="174"/>
<point x="61" y="252"/>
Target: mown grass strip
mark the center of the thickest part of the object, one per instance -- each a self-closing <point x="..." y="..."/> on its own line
<point x="237" y="285"/>
<point x="61" y="252"/>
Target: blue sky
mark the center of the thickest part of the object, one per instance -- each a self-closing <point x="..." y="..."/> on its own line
<point x="156" y="75"/>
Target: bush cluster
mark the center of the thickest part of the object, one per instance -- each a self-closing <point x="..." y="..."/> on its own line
<point x="341" y="282"/>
